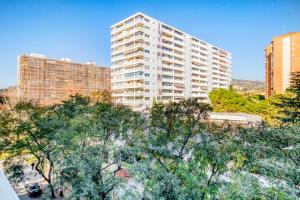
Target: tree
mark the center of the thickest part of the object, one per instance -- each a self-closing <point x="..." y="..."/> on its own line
<point x="14" y="171"/>
<point x="172" y="151"/>
<point x="179" y="157"/>
<point x="2" y="99"/>
<point x="228" y="100"/>
<point x="102" y="96"/>
<point x="35" y="133"/>
<point x="224" y="100"/>
<point x="90" y="149"/>
<point x="174" y="157"/>
<point x="33" y="130"/>
<point x="291" y="102"/>
<point x="273" y="155"/>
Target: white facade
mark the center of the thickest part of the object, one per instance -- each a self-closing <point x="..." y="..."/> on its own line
<point x="154" y="61"/>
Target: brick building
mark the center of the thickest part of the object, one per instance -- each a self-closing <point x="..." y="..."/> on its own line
<point x="47" y="81"/>
<point x="282" y="58"/>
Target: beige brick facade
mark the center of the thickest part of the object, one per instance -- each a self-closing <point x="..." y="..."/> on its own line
<point x="47" y="81"/>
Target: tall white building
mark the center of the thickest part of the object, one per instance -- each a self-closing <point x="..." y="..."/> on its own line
<point x="154" y="61"/>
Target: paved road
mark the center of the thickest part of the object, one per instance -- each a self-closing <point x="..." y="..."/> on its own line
<point x="31" y="177"/>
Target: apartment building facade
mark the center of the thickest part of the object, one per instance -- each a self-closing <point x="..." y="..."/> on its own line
<point x="48" y="81"/>
<point x="154" y="61"/>
<point x="282" y="57"/>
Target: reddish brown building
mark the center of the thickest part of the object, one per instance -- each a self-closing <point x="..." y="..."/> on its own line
<point x="282" y="58"/>
<point x="47" y="81"/>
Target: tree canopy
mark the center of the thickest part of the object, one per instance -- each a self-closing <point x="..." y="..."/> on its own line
<point x="97" y="150"/>
<point x="228" y="100"/>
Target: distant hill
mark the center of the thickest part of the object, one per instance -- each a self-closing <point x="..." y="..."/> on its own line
<point x="248" y="85"/>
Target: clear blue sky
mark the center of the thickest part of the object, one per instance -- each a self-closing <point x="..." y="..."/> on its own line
<point x="80" y="30"/>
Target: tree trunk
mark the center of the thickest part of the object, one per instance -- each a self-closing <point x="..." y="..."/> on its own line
<point x="52" y="190"/>
<point x="50" y="180"/>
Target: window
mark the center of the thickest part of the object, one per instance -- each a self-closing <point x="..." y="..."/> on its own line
<point x="178" y="39"/>
<point x="195" y="40"/>
<point x="147" y="67"/>
<point x="167" y="84"/>
<point x="178" y="33"/>
<point x="167" y="77"/>
<point x="167" y="91"/>
<point x="131" y="74"/>
<point x="203" y="43"/>
<point x="166" y="27"/>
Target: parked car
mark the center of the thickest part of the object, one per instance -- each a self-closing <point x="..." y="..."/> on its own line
<point x="34" y="190"/>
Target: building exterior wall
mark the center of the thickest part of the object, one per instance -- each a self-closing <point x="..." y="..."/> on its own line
<point x="282" y="58"/>
<point x="48" y="81"/>
<point x="10" y="95"/>
<point x="154" y="61"/>
<point x="269" y="71"/>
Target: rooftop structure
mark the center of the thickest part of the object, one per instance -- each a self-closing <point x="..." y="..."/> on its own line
<point x="240" y="118"/>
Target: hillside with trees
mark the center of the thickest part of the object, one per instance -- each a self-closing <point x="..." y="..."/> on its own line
<point x="249" y="86"/>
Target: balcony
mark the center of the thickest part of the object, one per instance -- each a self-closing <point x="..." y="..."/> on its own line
<point x="116" y="30"/>
<point x="133" y="85"/>
<point x="200" y="94"/>
<point x="134" y="38"/>
<point x="133" y="102"/>
<point x="178" y="81"/>
<point x="179" y="49"/>
<point x="117" y="58"/>
<point x="140" y="77"/>
<point x="141" y="93"/>
<point x="168" y="73"/>
<point x="179" y="62"/>
<point x="136" y="54"/>
<point x="167" y="38"/>
<point x="133" y="46"/>
<point x="167" y="32"/>
<point x="167" y="45"/>
<point x="133" y="62"/>
<point x="167" y="59"/>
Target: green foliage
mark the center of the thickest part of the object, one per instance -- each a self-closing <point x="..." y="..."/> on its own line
<point x="14" y="172"/>
<point x="181" y="160"/>
<point x="91" y="149"/>
<point x="290" y="103"/>
<point x="224" y="100"/>
<point x="102" y="96"/>
<point x="170" y="151"/>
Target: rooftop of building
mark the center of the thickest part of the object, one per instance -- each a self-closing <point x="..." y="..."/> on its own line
<point x="226" y="116"/>
<point x="280" y="37"/>
<point x="140" y="13"/>
<point x="67" y="60"/>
